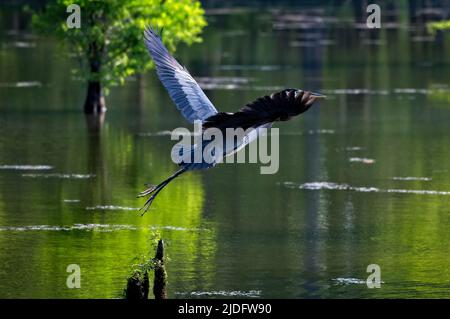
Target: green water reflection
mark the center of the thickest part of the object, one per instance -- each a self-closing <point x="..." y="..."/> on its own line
<point x="231" y="229"/>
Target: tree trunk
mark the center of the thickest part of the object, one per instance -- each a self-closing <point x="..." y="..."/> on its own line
<point x="95" y="102"/>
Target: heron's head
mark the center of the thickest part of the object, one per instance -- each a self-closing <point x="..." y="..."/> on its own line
<point x="296" y="102"/>
<point x="309" y="98"/>
<point x="305" y="99"/>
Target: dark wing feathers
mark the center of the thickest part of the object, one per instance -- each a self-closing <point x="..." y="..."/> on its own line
<point x="183" y="89"/>
<point x="279" y="106"/>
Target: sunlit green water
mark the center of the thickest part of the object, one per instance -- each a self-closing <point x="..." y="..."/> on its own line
<point x="231" y="229"/>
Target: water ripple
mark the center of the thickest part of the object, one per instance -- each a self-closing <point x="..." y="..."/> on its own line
<point x="85" y="227"/>
<point x="240" y="67"/>
<point x="26" y="167"/>
<point x="397" y="91"/>
<point x="236" y="293"/>
<point x="353" y="148"/>
<point x="57" y="175"/>
<point x="166" y="133"/>
<point x="346" y="187"/>
<point x="95" y="227"/>
<point x="411" y="178"/>
<point x="21" y="84"/>
<point x="361" y="160"/>
<point x="222" y="83"/>
<point x="349" y="281"/>
<point x="177" y="228"/>
<point x="110" y="207"/>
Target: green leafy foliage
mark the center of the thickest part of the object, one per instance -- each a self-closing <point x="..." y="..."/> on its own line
<point x="433" y="27"/>
<point x="109" y="43"/>
<point x="145" y="263"/>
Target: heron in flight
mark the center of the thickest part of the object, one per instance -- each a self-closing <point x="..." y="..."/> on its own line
<point x="194" y="105"/>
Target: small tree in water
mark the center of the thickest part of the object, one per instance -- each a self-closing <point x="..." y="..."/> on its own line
<point x="109" y="43"/>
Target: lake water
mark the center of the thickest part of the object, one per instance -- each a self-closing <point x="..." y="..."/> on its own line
<point x="364" y="176"/>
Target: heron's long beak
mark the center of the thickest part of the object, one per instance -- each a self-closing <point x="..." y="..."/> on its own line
<point x="313" y="97"/>
<point x="318" y="95"/>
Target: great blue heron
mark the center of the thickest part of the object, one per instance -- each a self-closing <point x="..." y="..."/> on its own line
<point x="194" y="105"/>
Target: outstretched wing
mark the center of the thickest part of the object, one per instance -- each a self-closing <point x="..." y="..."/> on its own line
<point x="279" y="106"/>
<point x="183" y="89"/>
<point x="252" y="135"/>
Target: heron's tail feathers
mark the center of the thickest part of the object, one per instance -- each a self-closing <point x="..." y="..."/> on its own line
<point x="154" y="190"/>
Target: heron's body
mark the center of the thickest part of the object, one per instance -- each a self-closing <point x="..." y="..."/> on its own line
<point x="194" y="105"/>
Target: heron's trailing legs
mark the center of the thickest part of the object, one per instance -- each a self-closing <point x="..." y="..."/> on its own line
<point x="154" y="190"/>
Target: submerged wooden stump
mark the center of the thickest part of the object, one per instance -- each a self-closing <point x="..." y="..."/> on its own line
<point x="138" y="288"/>
<point x="160" y="281"/>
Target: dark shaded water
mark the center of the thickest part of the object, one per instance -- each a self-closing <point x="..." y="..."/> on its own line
<point x="364" y="178"/>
